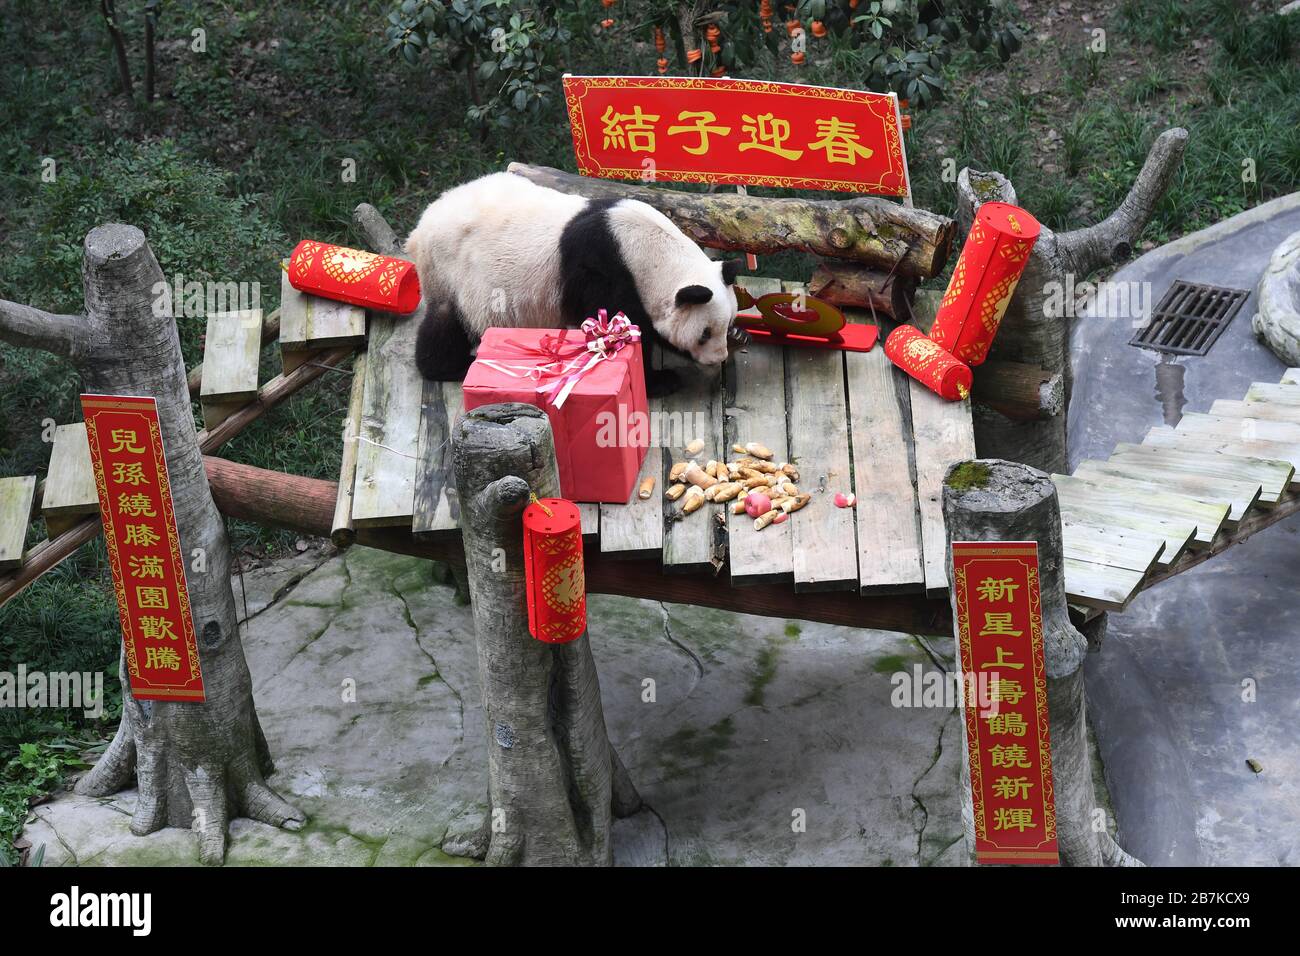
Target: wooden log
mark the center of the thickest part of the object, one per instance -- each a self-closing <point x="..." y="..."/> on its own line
<point x="551" y="768"/>
<point x="194" y="766"/>
<point x="343" y="532"/>
<point x="306" y="506"/>
<point x="1014" y="502"/>
<point x="1020" y="392"/>
<point x="853" y="286"/>
<point x="16" y="496"/>
<point x="869" y="229"/>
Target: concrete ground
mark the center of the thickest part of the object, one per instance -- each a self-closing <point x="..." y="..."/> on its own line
<point x="754" y="720"/>
<point x="1169" y="691"/>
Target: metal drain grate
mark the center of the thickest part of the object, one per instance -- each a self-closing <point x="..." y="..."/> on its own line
<point x="1189" y="318"/>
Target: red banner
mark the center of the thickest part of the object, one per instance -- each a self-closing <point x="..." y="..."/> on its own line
<point x="1000" y="637"/>
<point x="744" y="132"/>
<point x="144" y="551"/>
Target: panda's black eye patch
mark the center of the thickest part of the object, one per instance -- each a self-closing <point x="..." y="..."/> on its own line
<point x="706" y="335"/>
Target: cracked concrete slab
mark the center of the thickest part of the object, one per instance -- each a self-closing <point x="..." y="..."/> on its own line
<point x="753" y="740"/>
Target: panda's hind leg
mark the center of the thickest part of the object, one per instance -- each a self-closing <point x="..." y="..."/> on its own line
<point x="443" y="351"/>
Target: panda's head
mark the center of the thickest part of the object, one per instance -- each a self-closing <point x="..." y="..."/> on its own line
<point x="689" y="298"/>
<point x="702" y="311"/>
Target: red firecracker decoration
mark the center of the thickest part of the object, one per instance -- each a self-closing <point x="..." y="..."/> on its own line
<point x="354" y="276"/>
<point x="553" y="571"/>
<point x="711" y="33"/>
<point x="792" y="27"/>
<point x="765" y="15"/>
<point x="606" y="24"/>
<point x="818" y="29"/>
<point x="990" y="265"/>
<point x="797" y="58"/>
<point x="928" y="363"/>
<point x="718" y="71"/>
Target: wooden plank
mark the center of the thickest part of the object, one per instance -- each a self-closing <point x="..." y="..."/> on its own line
<point x="1176" y="536"/>
<point x="636" y="529"/>
<point x="1126" y="496"/>
<point x="1110" y="545"/>
<point x="1272" y="477"/>
<point x="309" y="323"/>
<point x="16" y="496"/>
<point x="888" y="514"/>
<point x="436" y="506"/>
<point x="1271" y="458"/>
<point x="1228" y="428"/>
<point x="1265" y="411"/>
<point x="824" y="545"/>
<point x="342" y="531"/>
<point x="589" y="516"/>
<point x="943" y="434"/>
<point x="70" y="483"/>
<point x="1239" y="496"/>
<point x="755" y="411"/>
<point x="1098" y="585"/>
<point x="1273" y="394"/>
<point x="693" y="411"/>
<point x="231" y="351"/>
<point x="390" y="427"/>
<point x="1291" y="376"/>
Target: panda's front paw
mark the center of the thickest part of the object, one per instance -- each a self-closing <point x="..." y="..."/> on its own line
<point x="663" y="381"/>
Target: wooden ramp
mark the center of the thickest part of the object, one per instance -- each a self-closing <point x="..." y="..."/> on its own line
<point x="1157" y="508"/>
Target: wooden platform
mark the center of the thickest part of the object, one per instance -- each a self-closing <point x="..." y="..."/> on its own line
<point x="850" y="422"/>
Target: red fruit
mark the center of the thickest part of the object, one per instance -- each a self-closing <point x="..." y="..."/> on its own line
<point x="757" y="503"/>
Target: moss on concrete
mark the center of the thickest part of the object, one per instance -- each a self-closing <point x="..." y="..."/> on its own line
<point x="969" y="474"/>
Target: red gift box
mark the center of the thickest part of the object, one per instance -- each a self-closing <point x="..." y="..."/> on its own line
<point x="928" y="363"/>
<point x="597" y="407"/>
<point x="354" y="276"/>
<point x="986" y="274"/>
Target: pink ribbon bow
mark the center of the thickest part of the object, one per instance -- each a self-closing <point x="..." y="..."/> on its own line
<point x="606" y="336"/>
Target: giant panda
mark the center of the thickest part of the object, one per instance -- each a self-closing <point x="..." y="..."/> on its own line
<point x="504" y="251"/>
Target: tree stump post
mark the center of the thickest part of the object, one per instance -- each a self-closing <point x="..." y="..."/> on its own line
<point x="554" y="780"/>
<point x="1009" y="501"/>
<point x="1036" y="327"/>
<point x="196" y="765"/>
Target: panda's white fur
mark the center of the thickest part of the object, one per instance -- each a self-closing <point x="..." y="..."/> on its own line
<point x="504" y="251"/>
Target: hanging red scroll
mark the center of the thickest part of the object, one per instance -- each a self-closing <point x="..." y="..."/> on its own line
<point x="144" y="551"/>
<point x="1008" y="738"/>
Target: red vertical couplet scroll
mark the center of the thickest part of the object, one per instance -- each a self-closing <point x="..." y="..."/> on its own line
<point x="1000" y="636"/>
<point x="144" y="551"/>
<point x="739" y="132"/>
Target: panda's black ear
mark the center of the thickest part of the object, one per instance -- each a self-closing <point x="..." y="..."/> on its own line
<point x="694" y="294"/>
<point x="731" y="269"/>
